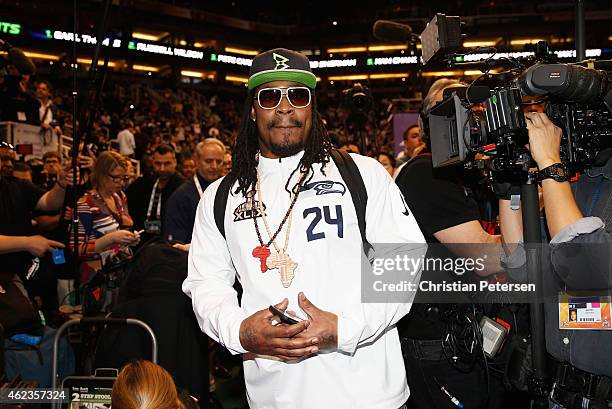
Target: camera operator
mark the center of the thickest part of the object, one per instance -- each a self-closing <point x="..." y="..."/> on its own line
<point x="578" y="259"/>
<point x="16" y="104"/>
<point x="447" y="214"/>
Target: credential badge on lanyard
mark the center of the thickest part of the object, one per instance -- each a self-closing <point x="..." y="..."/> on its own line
<point x="154" y="226"/>
<point x="197" y="184"/>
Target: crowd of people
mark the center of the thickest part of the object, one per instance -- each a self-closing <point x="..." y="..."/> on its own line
<point x="330" y="348"/>
<point x="172" y="140"/>
<point x="179" y="147"/>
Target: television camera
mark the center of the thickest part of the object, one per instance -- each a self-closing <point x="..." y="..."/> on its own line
<point x="484" y="125"/>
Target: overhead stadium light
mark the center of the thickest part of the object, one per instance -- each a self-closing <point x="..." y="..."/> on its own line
<point x="348" y="50"/>
<point x="357" y="77"/>
<point x="472" y="72"/>
<point x="371" y="48"/>
<point x="481" y="43"/>
<point x="561" y="40"/>
<point x="199" y="74"/>
<point x="387" y="76"/>
<point x="348" y="77"/>
<point x="149" y="36"/>
<point x="525" y="41"/>
<point x="243" y="51"/>
<point x="41" y="56"/>
<point x="148" y="68"/>
<point x="235" y="78"/>
<point x="442" y="74"/>
<point x="387" y="47"/>
<point x="87" y="61"/>
<point x="194" y="74"/>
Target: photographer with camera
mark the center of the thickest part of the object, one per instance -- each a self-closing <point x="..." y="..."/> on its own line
<point x="16" y="104"/>
<point x="448" y="214"/>
<point x="577" y="260"/>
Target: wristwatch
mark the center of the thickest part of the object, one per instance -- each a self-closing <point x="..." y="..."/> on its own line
<point x="557" y="171"/>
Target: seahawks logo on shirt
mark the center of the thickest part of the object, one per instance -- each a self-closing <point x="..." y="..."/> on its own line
<point x="324" y="187"/>
<point x="249" y="209"/>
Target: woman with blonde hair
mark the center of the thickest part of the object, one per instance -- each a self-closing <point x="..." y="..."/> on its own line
<point x="104" y="220"/>
<point x="144" y="385"/>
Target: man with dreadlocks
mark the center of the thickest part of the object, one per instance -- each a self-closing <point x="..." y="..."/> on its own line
<point x="292" y="237"/>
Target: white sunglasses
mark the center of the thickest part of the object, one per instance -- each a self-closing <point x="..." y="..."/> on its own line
<point x="270" y="98"/>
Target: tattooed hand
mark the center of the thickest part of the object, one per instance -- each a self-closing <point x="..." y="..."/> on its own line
<point x="323" y="325"/>
<point x="258" y="335"/>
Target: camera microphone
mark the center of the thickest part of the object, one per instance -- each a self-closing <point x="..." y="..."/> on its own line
<point x="566" y="81"/>
<point x="387" y="30"/>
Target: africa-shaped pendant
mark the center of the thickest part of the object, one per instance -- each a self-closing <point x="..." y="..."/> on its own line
<point x="262" y="253"/>
<point x="284" y="264"/>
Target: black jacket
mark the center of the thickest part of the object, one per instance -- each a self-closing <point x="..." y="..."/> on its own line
<point x="139" y="194"/>
<point x="152" y="293"/>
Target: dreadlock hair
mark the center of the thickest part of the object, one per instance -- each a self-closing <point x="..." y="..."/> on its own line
<point x="317" y="148"/>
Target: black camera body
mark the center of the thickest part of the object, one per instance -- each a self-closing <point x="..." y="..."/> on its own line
<point x="358" y="98"/>
<point x="462" y="127"/>
<point x="476" y="121"/>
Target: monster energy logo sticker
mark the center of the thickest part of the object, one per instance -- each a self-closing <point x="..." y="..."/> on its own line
<point x="280" y="61"/>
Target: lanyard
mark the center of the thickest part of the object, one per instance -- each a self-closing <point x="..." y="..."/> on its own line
<point x="116" y="216"/>
<point x="151" y="202"/>
<point x="596" y="195"/>
<point x="197" y="184"/>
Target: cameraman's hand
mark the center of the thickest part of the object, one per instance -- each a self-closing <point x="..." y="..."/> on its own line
<point x="544" y="139"/>
<point x="38" y="245"/>
<point x="258" y="335"/>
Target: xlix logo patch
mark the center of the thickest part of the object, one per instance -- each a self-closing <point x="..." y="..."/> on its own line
<point x="281" y="61"/>
<point x="248" y="209"/>
<point x="324" y="187"/>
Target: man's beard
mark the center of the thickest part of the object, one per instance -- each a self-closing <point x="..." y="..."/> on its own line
<point x="164" y="176"/>
<point x="286" y="147"/>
